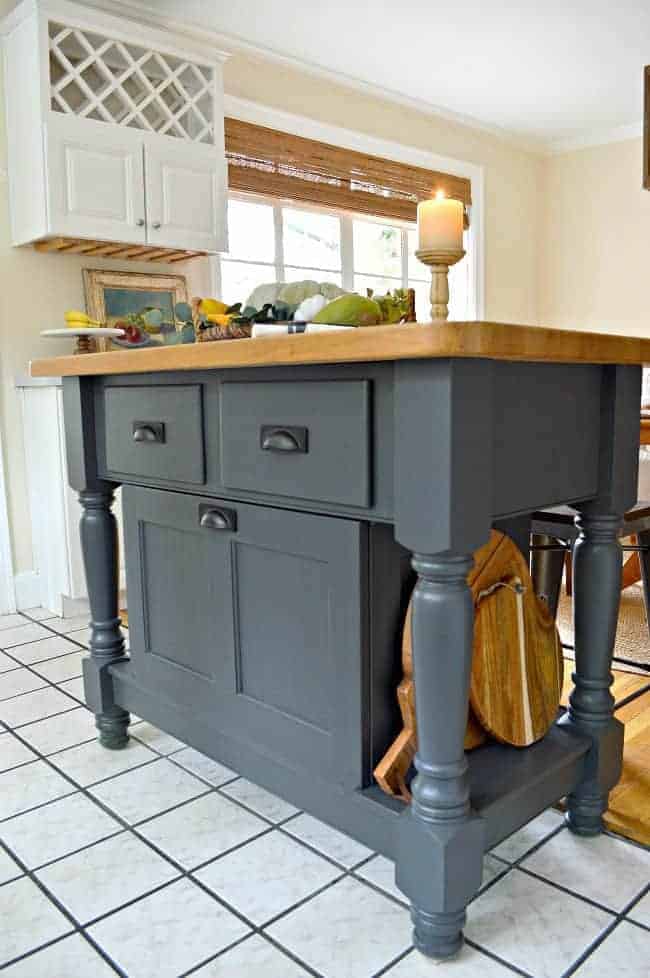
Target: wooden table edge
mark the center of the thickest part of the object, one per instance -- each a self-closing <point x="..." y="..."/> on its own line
<point x="498" y="341"/>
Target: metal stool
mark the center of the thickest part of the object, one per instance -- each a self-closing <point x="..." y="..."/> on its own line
<point x="553" y="536"/>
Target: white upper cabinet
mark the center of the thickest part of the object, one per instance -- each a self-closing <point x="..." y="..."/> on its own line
<point x="115" y="130"/>
<point x="184" y="195"/>
<point x="95" y="180"/>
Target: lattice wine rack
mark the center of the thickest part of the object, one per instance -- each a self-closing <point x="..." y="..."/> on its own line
<point x="96" y="77"/>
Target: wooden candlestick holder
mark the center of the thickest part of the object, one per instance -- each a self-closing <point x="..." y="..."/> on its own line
<point x="440" y="262"/>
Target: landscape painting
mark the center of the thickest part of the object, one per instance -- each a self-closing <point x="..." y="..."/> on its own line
<point x="136" y="302"/>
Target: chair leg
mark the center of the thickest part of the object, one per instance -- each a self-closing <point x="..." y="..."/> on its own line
<point x="631" y="567"/>
<point x="568" y="574"/>
<point x="644" y="561"/>
<point x="546" y="570"/>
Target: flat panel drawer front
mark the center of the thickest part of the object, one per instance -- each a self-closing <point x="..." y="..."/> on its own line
<point x="304" y="439"/>
<point x="155" y="432"/>
<point x="250" y="617"/>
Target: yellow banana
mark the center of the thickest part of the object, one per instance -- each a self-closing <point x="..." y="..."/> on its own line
<point x="212" y="307"/>
<point x="74" y="317"/>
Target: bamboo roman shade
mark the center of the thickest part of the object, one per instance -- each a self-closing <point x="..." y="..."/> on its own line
<point x="266" y="161"/>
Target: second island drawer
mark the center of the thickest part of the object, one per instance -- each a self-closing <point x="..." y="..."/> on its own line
<point x="309" y="440"/>
<point x="155" y="432"/>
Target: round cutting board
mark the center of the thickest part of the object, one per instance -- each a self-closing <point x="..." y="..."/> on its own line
<point x="517" y="665"/>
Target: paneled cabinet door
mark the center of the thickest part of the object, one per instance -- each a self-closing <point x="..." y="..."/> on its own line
<point x="95" y="180"/>
<point x="186" y="196"/>
<point x="251" y="618"/>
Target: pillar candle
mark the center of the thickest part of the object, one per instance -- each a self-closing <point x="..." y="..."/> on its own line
<point x="440" y="224"/>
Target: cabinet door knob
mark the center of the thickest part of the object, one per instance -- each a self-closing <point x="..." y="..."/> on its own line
<point x="156" y="225"/>
<point x="283" y="438"/>
<point x="140" y="222"/>
<point x="149" y="431"/>
<point x="214" y="518"/>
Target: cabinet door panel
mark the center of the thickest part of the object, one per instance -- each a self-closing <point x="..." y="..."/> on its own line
<point x="95" y="180"/>
<point x="256" y="629"/>
<point x="185" y="195"/>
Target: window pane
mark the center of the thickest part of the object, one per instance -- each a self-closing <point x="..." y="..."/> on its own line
<point x="238" y="279"/>
<point x="250" y="231"/>
<point x="379" y="285"/>
<point x="416" y="269"/>
<point x="459" y="290"/>
<point x="311" y="239"/>
<point x="314" y="274"/>
<point x="377" y="249"/>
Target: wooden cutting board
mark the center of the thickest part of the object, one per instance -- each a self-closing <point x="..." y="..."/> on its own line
<point x="497" y="560"/>
<point x="517" y="664"/>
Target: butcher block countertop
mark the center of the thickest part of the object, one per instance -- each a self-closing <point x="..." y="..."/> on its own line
<point x="410" y="341"/>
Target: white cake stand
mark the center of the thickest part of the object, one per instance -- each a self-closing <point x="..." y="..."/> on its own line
<point x="85" y="334"/>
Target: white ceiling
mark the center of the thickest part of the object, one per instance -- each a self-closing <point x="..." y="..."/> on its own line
<point x="548" y="73"/>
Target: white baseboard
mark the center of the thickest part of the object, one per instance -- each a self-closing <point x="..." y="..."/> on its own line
<point x="28" y="590"/>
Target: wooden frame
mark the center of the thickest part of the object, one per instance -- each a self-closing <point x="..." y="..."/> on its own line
<point x="646" y="129"/>
<point x="97" y="280"/>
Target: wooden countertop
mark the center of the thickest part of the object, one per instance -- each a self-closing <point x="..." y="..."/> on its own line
<point x="497" y="341"/>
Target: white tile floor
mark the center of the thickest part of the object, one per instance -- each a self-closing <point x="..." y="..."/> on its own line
<point x="157" y="862"/>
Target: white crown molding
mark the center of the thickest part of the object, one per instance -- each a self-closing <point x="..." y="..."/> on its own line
<point x="595" y="137"/>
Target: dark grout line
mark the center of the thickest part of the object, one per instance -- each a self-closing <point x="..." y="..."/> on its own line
<point x="76" y="928"/>
<point x="395" y="961"/>
<point x="633" y="903"/>
<point x="602" y="937"/>
<point x="565" y="889"/>
<point x="495" y="957"/>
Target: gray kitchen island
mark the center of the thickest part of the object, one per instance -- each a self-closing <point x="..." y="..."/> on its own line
<point x="281" y="498"/>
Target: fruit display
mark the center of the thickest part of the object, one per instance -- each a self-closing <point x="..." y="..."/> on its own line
<point x="297" y="302"/>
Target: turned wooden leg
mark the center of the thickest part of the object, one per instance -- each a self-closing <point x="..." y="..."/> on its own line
<point x="596" y="599"/>
<point x="99" y="545"/>
<point x="440" y="843"/>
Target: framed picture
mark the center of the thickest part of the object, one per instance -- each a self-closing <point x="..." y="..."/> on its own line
<point x="126" y="299"/>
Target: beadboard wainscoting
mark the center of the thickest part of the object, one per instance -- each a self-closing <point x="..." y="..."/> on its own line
<point x="57" y="581"/>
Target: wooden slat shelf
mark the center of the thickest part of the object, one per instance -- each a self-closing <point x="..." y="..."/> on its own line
<point x="108" y="249"/>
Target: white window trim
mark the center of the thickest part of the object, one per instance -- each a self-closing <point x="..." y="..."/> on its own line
<point x="264" y="115"/>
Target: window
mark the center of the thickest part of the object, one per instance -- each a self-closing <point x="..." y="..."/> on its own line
<point x="273" y="241"/>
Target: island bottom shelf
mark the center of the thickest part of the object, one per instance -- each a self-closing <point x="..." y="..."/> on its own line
<point x="509" y="785"/>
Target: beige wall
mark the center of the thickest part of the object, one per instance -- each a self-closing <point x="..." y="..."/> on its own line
<point x="595" y="255"/>
<point x="36" y="289"/>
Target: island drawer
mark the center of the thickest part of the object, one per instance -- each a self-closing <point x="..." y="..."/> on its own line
<point x="155" y="432"/>
<point x="308" y="440"/>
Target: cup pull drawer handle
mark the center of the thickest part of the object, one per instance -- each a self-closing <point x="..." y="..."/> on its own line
<point x="281" y="438"/>
<point x="213" y="518"/>
<point x="149" y="431"/>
